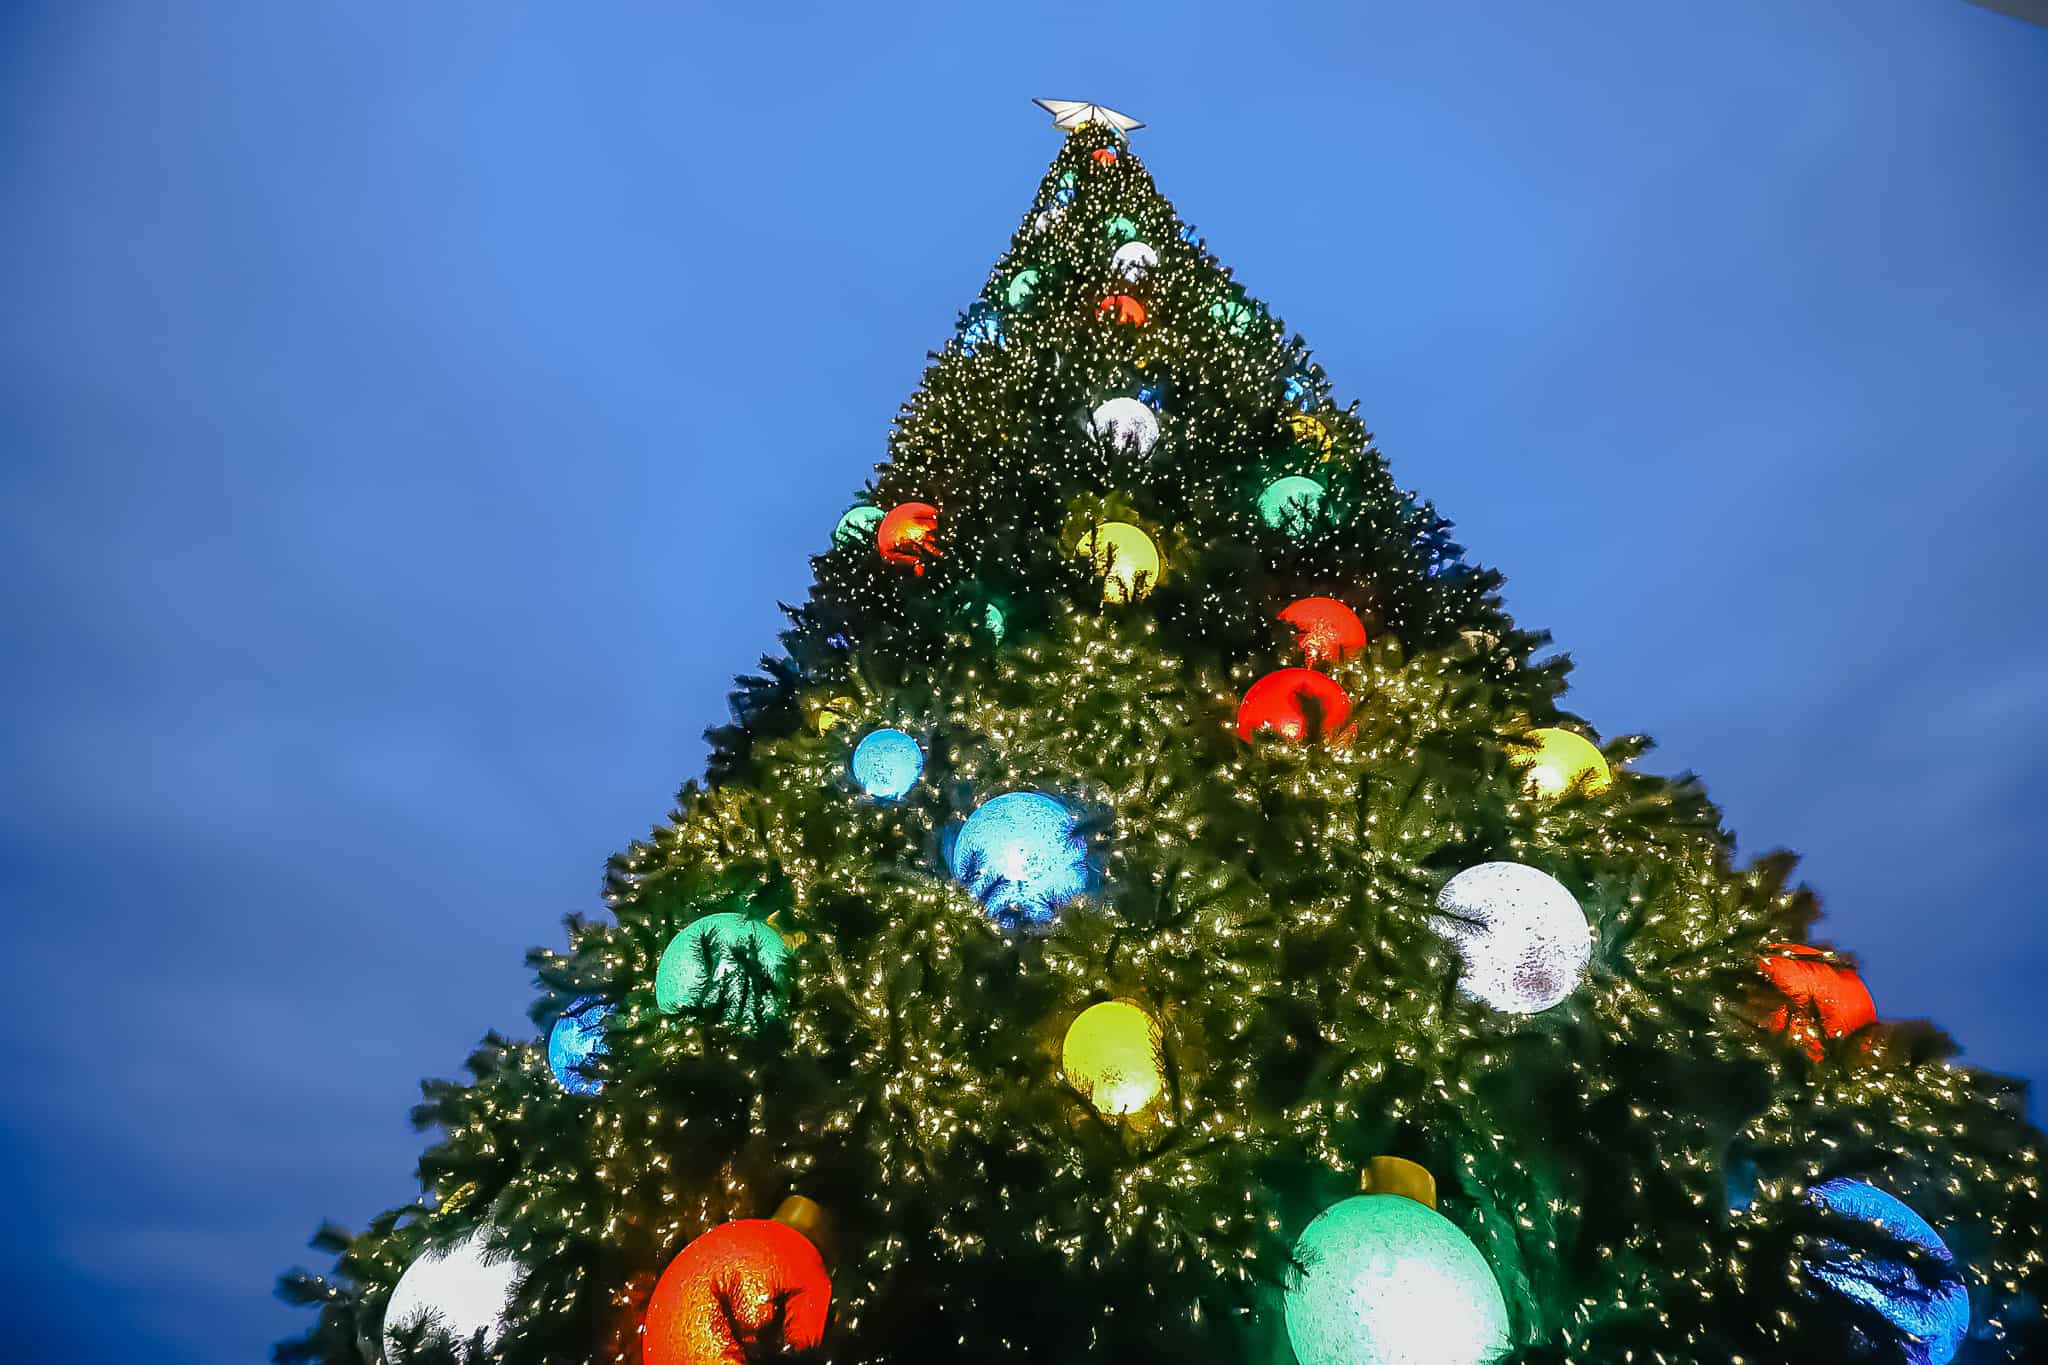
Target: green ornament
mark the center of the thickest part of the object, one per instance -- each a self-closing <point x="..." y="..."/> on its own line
<point x="702" y="968"/>
<point x="1234" y="314"/>
<point x="1121" y="228"/>
<point x="1021" y="286"/>
<point x="1291" y="503"/>
<point x="1384" y="1280"/>
<point x="992" y="621"/>
<point x="857" y="526"/>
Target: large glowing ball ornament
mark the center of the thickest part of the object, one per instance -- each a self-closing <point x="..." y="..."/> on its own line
<point x="1822" y="999"/>
<point x="1111" y="1055"/>
<point x="1384" y="1280"/>
<point x="1121" y="228"/>
<point x="1328" y="631"/>
<point x="1124" y="558"/>
<point x="857" y="526"/>
<point x="1291" y="503"/>
<point x="1020" y="855"/>
<point x="1559" y="761"/>
<point x="1311" y="432"/>
<point x="1126" y="423"/>
<point x="1134" y="260"/>
<point x="1932" y="1326"/>
<point x="1066" y="189"/>
<point x="1021" y="286"/>
<point x="578" y="1035"/>
<point x="461" y="1290"/>
<point x="702" y="966"/>
<point x="1122" y="308"/>
<point x="886" y="764"/>
<point x="1104" y="156"/>
<point x="734" y="1280"/>
<point x="909" y="534"/>
<point x="1521" y="934"/>
<point x="984" y="328"/>
<point x="1280" y="703"/>
<point x="1233" y="315"/>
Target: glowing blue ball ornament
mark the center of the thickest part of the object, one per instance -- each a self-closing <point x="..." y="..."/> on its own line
<point x="1384" y="1280"/>
<point x="1064" y="192"/>
<point x="1932" y="1320"/>
<point x="886" y="764"/>
<point x="578" y="1035"/>
<point x="984" y="327"/>
<point x="1020" y="856"/>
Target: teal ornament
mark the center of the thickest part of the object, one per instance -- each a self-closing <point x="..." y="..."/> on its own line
<point x="886" y="764"/>
<point x="1063" y="193"/>
<point x="1121" y="228"/>
<point x="984" y="327"/>
<point x="726" y="963"/>
<point x="857" y="527"/>
<point x="992" y="621"/>
<point x="1233" y="315"/>
<point x="1291" y="503"/>
<point x="1383" y="1280"/>
<point x="1021" y="285"/>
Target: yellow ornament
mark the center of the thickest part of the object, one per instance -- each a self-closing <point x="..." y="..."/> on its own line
<point x="1311" y="432"/>
<point x="1398" y="1175"/>
<point x="1111" y="1056"/>
<point x="830" y="711"/>
<point x="1559" y="761"/>
<point x="1125" y="559"/>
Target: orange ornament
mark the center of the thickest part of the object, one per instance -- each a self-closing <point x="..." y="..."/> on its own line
<point x="1280" y="702"/>
<point x="1122" y="308"/>
<point x="1327" y="630"/>
<point x="728" y="1285"/>
<point x="909" y="534"/>
<point x="1822" y="999"/>
<point x="1103" y="155"/>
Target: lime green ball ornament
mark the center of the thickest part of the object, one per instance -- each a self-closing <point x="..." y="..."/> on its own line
<point x="1291" y="503"/>
<point x="1021" y="286"/>
<point x="1384" y="1280"/>
<point x="727" y="963"/>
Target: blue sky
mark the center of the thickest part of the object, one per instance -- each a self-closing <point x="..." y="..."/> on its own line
<point x="412" y="414"/>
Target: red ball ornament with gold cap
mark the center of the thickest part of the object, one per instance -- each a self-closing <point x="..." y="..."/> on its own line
<point x="909" y="534"/>
<point x="741" y="1282"/>
<point x="1122" y="308"/>
<point x="1327" y="631"/>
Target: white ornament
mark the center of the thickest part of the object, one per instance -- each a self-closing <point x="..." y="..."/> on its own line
<point x="1522" y="936"/>
<point x="460" y="1290"/>
<point x="1044" y="219"/>
<point x="1134" y="260"/>
<point x="1128" y="424"/>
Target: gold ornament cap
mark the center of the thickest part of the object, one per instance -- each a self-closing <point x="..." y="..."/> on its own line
<point x="806" y="1217"/>
<point x="1398" y="1175"/>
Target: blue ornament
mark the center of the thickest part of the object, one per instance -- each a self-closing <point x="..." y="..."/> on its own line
<point x="1297" y="388"/>
<point x="1020" y="855"/>
<point x="578" y="1035"/>
<point x="1189" y="235"/>
<point x="1066" y="189"/>
<point x="1152" y="397"/>
<point x="1933" y="1323"/>
<point x="886" y="764"/>
<point x="984" y="328"/>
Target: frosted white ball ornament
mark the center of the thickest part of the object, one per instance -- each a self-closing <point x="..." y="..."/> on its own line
<point x="1522" y="936"/>
<point x="1127" y="423"/>
<point x="461" y="1290"/>
<point x="1134" y="260"/>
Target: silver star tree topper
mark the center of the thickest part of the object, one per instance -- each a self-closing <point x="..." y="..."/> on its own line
<point x="1072" y="114"/>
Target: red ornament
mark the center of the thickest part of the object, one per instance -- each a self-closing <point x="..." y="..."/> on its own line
<point x="1822" y="999"/>
<point x="1280" y="702"/>
<point x="909" y="534"/>
<point x="1122" y="308"/>
<point x="727" y="1286"/>
<point x="1327" y="630"/>
<point x="1103" y="155"/>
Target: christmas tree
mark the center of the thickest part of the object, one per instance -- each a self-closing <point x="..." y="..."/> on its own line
<point x="1157" y="908"/>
